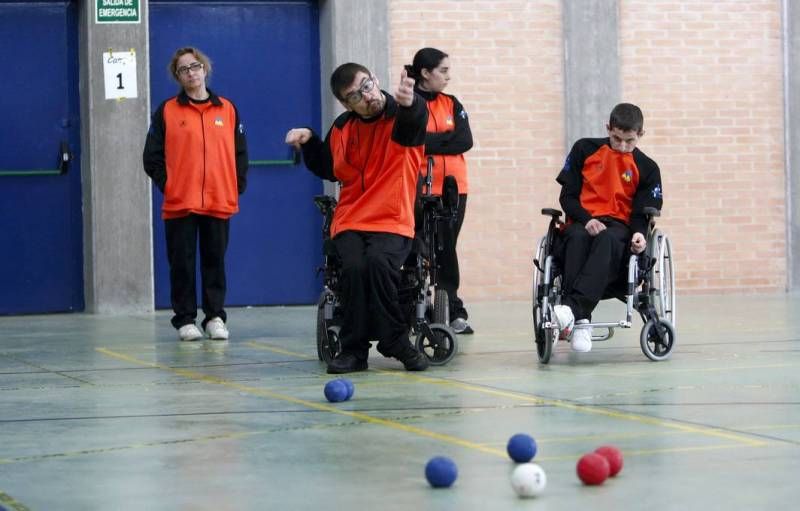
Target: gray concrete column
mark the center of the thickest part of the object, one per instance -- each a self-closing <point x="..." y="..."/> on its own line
<point x="791" y="81"/>
<point x="591" y="66"/>
<point x="352" y="31"/>
<point x="118" y="267"/>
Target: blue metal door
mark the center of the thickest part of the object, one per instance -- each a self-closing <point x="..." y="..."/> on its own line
<point x="265" y="58"/>
<point x="41" y="267"/>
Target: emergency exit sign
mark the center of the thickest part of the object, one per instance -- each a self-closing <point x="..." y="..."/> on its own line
<point x="117" y="11"/>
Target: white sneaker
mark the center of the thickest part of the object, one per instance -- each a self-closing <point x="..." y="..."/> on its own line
<point x="216" y="329"/>
<point x="563" y="315"/>
<point x="460" y="326"/>
<point x="581" y="337"/>
<point x="189" y="332"/>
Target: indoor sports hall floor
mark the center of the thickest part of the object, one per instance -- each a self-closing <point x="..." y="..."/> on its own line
<point x="112" y="413"/>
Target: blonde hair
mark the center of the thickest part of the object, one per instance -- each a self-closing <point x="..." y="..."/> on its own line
<point x="199" y="55"/>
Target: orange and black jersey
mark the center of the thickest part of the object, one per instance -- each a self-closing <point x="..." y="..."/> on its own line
<point x="377" y="161"/>
<point x="196" y="154"/>
<point x="597" y="181"/>
<point x="448" y="137"/>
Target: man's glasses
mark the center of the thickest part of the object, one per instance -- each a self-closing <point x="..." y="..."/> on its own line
<point x="357" y="95"/>
<point x="184" y="70"/>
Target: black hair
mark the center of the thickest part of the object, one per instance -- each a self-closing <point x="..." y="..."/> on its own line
<point x="426" y="58"/>
<point x="344" y="75"/>
<point x="626" y="117"/>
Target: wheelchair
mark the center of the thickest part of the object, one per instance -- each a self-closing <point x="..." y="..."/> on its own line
<point x="649" y="289"/>
<point x="426" y="306"/>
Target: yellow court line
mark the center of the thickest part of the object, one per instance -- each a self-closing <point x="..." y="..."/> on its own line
<point x="11" y="503"/>
<point x="309" y="404"/>
<point x="653" y="421"/>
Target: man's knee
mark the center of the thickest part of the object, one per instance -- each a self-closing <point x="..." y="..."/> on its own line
<point x="608" y="242"/>
<point x="376" y="263"/>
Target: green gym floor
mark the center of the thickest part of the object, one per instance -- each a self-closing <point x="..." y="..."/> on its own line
<point x="112" y="413"/>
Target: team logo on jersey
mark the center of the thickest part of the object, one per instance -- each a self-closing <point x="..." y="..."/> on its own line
<point x="627" y="176"/>
<point x="218" y="122"/>
<point x="449" y="120"/>
<point x="657" y="192"/>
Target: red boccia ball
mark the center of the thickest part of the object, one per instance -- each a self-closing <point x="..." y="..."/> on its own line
<point x="592" y="469"/>
<point x="613" y="456"/>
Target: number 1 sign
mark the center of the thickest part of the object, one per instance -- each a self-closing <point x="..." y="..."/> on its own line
<point x="119" y="71"/>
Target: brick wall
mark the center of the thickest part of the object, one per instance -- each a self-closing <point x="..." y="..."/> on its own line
<point x="707" y="75"/>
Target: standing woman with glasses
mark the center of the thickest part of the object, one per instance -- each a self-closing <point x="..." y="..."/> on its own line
<point x="196" y="154"/>
<point x="448" y="137"/>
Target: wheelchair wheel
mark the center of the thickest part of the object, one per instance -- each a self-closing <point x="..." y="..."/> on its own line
<point x="546" y="338"/>
<point x="657" y="347"/>
<point x="440" y="349"/>
<point x="441" y="307"/>
<point x="662" y="278"/>
<point x="538" y="331"/>
<point x="328" y="346"/>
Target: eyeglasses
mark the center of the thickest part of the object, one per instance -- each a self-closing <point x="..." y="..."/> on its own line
<point x="184" y="70"/>
<point x="357" y="95"/>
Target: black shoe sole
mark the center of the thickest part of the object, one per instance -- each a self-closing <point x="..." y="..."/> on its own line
<point x="345" y="370"/>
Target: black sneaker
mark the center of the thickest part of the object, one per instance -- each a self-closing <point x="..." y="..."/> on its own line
<point x="346" y="363"/>
<point x="415" y="362"/>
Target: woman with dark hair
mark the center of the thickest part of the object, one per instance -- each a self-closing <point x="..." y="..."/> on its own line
<point x="196" y="154"/>
<point x="448" y="137"/>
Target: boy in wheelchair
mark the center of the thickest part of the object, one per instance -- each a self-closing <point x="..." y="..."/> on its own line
<point x="607" y="185"/>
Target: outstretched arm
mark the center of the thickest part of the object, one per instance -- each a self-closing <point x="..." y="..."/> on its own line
<point x="412" y="114"/>
<point x="316" y="152"/>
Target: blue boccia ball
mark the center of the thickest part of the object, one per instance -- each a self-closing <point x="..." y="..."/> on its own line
<point x="441" y="472"/>
<point x="335" y="391"/>
<point x="350" y="388"/>
<point x="521" y="448"/>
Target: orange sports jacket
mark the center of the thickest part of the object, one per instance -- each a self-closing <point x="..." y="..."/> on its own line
<point x="448" y="138"/>
<point x="196" y="153"/>
<point x="377" y="162"/>
<point x="597" y="181"/>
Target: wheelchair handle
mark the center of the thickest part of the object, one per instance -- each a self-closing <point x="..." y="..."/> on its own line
<point x="651" y="211"/>
<point x="429" y="176"/>
<point x="551" y="212"/>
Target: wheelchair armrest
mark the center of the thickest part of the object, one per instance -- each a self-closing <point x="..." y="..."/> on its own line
<point x="652" y="212"/>
<point x="551" y="212"/>
<point x="431" y="199"/>
<point x="324" y="203"/>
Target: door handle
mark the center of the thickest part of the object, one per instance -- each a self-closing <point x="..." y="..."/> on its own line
<point x="295" y="160"/>
<point x="64" y="157"/>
